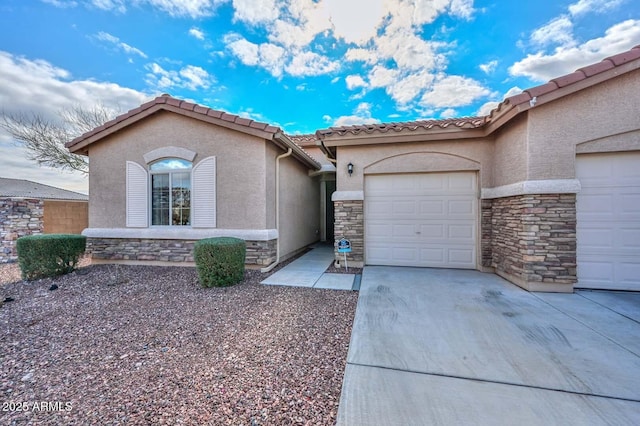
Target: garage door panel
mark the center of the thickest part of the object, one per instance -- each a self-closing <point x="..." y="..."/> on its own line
<point x="608" y="221"/>
<point x="432" y="215"/>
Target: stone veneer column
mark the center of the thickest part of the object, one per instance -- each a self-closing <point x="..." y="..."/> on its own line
<point x="533" y="240"/>
<point x="349" y="224"/>
<point x="18" y="217"/>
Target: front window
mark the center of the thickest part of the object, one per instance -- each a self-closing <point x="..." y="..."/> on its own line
<point x="171" y="192"/>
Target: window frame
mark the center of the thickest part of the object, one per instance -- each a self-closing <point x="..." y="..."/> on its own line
<point x="169" y="171"/>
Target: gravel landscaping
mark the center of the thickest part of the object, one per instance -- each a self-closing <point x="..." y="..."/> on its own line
<point x="147" y="345"/>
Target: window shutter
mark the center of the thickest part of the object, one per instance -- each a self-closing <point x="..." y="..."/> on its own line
<point x="203" y="198"/>
<point x="137" y="196"/>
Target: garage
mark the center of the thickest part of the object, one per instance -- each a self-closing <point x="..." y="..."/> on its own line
<point x="608" y="221"/>
<point x="421" y="219"/>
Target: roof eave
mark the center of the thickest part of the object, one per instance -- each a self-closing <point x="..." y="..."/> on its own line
<point x="404" y="136"/>
<point x="80" y="145"/>
<point x="281" y="140"/>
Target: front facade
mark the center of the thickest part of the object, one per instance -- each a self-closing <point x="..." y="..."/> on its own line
<point x="170" y="173"/>
<point x="544" y="192"/>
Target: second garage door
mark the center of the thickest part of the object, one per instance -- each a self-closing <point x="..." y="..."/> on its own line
<point x="421" y="219"/>
<point x="608" y="221"/>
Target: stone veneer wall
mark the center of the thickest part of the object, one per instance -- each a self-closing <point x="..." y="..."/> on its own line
<point x="134" y="249"/>
<point x="485" y="230"/>
<point x="533" y="240"/>
<point x="18" y="217"/>
<point x="349" y="224"/>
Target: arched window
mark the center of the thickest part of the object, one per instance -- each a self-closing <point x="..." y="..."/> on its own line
<point x="170" y="192"/>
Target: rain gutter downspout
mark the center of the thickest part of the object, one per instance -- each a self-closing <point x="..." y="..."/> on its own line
<point x="278" y="158"/>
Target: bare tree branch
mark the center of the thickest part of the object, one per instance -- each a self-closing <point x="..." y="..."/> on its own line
<point x="44" y="139"/>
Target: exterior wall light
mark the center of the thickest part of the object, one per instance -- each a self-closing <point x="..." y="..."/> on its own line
<point x="350" y="168"/>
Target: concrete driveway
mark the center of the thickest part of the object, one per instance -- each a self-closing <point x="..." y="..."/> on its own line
<point x="454" y="347"/>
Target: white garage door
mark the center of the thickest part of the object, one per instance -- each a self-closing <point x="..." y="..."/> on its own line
<point x="608" y="221"/>
<point x="423" y="219"/>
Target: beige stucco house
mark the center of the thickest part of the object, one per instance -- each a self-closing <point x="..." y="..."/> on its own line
<point x="170" y="172"/>
<point x="544" y="191"/>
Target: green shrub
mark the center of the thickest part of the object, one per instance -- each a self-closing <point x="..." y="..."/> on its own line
<point x="49" y="255"/>
<point x="220" y="261"/>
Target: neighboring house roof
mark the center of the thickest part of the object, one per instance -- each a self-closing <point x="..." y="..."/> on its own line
<point x="167" y="103"/>
<point x="304" y="140"/>
<point x="582" y="78"/>
<point x="20" y="188"/>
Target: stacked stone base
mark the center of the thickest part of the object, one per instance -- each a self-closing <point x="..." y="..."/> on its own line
<point x="349" y="224"/>
<point x="163" y="251"/>
<point x="532" y="240"/>
<point x="19" y="217"/>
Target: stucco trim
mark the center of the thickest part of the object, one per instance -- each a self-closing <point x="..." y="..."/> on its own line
<point x="347" y="196"/>
<point x="421" y="162"/>
<point x="528" y="187"/>
<point x="167" y="152"/>
<point x="181" y="233"/>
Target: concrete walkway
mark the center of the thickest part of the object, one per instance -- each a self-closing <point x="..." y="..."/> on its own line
<point x="454" y="347"/>
<point x="308" y="271"/>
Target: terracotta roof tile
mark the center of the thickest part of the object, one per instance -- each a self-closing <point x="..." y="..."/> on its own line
<point x="597" y="68"/>
<point x="304" y="140"/>
<point x="518" y="99"/>
<point x="568" y="79"/>
<point x="187" y="105"/>
<point x="243" y="121"/>
<point x="541" y="90"/>
<point x="627" y="56"/>
<point x="228" y="117"/>
<point x="173" y="101"/>
<point x="271" y="129"/>
<point x="214" y="113"/>
<point x="258" y="125"/>
<point x="464" y="122"/>
<point x="201" y="110"/>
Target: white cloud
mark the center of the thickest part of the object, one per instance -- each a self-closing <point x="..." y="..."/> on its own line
<point x="542" y="67"/>
<point x="310" y="63"/>
<point x="61" y="3"/>
<point x="489" y="67"/>
<point x="454" y="91"/>
<point x="488" y="106"/>
<point x="40" y="87"/>
<point x="255" y="11"/>
<point x="190" y="77"/>
<point x="326" y="118"/>
<point x="558" y="31"/>
<point x="596" y="6"/>
<point x="350" y="120"/>
<point x="197" y="33"/>
<point x="266" y="55"/>
<point x="185" y="8"/>
<point x="114" y="5"/>
<point x="355" y="82"/>
<point x="448" y="113"/>
<point x="406" y="89"/>
<point x="355" y="21"/>
<point x="462" y="8"/>
<point x="104" y="36"/>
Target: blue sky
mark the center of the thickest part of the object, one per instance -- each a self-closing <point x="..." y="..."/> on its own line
<point x="299" y="64"/>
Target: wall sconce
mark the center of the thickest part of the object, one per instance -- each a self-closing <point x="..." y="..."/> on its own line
<point x="350" y="168"/>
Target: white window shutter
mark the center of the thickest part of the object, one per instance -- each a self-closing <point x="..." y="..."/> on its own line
<point x="137" y="196"/>
<point x="203" y="196"/>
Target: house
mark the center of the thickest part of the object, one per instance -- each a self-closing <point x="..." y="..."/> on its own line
<point x="544" y="191"/>
<point x="170" y="172"/>
<point x="28" y="208"/>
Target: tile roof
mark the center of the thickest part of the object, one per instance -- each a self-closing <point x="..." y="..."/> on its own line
<point x="20" y="188"/>
<point x="166" y="99"/>
<point x="511" y="102"/>
<point x="464" y="122"/>
<point x="304" y="140"/>
<point x="570" y="79"/>
<point x="168" y="102"/>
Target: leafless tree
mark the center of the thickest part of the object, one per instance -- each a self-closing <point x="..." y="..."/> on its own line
<point x="44" y="138"/>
